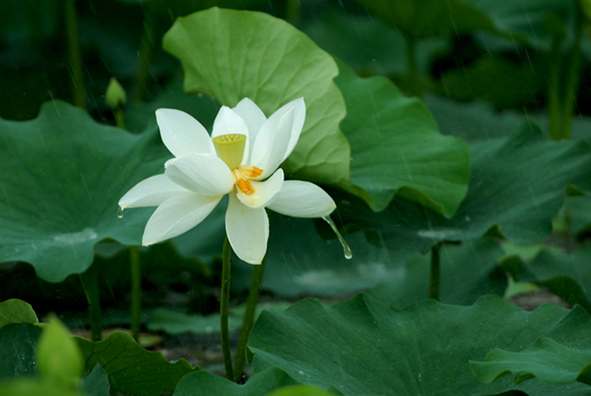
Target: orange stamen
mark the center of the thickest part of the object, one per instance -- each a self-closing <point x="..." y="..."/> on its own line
<point x="245" y="186"/>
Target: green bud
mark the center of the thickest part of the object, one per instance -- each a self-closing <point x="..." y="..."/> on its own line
<point x="115" y="95"/>
<point x="59" y="359"/>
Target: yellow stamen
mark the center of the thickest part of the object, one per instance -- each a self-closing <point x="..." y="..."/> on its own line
<point x="243" y="174"/>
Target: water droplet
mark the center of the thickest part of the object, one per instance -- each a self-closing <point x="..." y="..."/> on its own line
<point x="300" y="372"/>
<point x="120" y="212"/>
<point x="346" y="249"/>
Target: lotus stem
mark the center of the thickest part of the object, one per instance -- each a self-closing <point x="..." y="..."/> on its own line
<point x="225" y="308"/>
<point x="90" y="284"/>
<point x="76" y="75"/>
<point x="247" y="323"/>
<point x="136" y="291"/>
<point x="435" y="279"/>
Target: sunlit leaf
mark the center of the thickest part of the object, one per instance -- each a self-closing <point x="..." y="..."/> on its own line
<point x="63" y="175"/>
<point x="16" y="311"/>
<point x="396" y="147"/>
<point x="132" y="370"/>
<point x="231" y="54"/>
<point x="363" y="347"/>
<point x="548" y="360"/>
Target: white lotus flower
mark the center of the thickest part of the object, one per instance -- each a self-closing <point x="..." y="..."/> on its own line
<point x="241" y="158"/>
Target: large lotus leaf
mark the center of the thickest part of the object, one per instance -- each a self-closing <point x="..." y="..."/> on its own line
<point x="96" y="383"/>
<point x="547" y="360"/>
<point x="132" y="370"/>
<point x="18" y="343"/>
<point x="424" y="18"/>
<point x="566" y="275"/>
<point x="16" y="311"/>
<point x="63" y="175"/>
<point x="496" y="80"/>
<point x="367" y="45"/>
<point x="396" y="147"/>
<point x="298" y="260"/>
<point x="364" y="347"/>
<point x="205" y="383"/>
<point x="231" y="54"/>
<point x="467" y="272"/>
<point x="526" y="20"/>
<point x="517" y="185"/>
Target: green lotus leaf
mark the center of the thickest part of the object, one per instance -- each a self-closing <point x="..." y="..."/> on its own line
<point x="565" y="275"/>
<point x="526" y="21"/>
<point x="300" y="390"/>
<point x="18" y="343"/>
<point x="205" y="383"/>
<point x="231" y="55"/>
<point x="546" y="359"/>
<point x="96" y="383"/>
<point x="517" y="186"/>
<point x="364" y="347"/>
<point x="131" y="369"/>
<point x="16" y="311"/>
<point x="396" y="147"/>
<point x="468" y="271"/>
<point x="63" y="176"/>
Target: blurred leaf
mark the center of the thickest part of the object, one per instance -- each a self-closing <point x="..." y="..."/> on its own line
<point x="503" y="83"/>
<point x="363" y="347"/>
<point x="96" y="383"/>
<point x="468" y="271"/>
<point x="577" y="211"/>
<point x="63" y="175"/>
<point x="271" y="63"/>
<point x="420" y="19"/>
<point x="546" y="359"/>
<point x="396" y="147"/>
<point x="16" y="311"/>
<point x="18" y="343"/>
<point x="565" y="275"/>
<point x="132" y="370"/>
<point x="367" y="45"/>
<point x="58" y="357"/>
<point x="30" y="386"/>
<point x="300" y="390"/>
<point x="205" y="383"/>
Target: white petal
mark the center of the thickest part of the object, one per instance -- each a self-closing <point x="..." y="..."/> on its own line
<point x="182" y="134"/>
<point x="150" y="192"/>
<point x="203" y="173"/>
<point x="177" y="215"/>
<point x="263" y="191"/>
<point x="252" y="116"/>
<point x="299" y="117"/>
<point x="248" y="230"/>
<point x="302" y="199"/>
<point x="271" y="143"/>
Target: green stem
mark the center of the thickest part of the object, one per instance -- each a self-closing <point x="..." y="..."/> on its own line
<point x="79" y="96"/>
<point x="411" y="60"/>
<point x="435" y="280"/>
<point x="146" y="51"/>
<point x="225" y="308"/>
<point x="119" y="118"/>
<point x="573" y="76"/>
<point x="554" y="90"/>
<point x="90" y="284"/>
<point x="136" y="291"/>
<point x="251" y="304"/>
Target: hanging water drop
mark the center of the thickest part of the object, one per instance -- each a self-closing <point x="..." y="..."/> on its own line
<point x="346" y="249"/>
<point x="119" y="212"/>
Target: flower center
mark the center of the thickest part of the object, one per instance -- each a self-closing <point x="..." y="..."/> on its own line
<point x="230" y="148"/>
